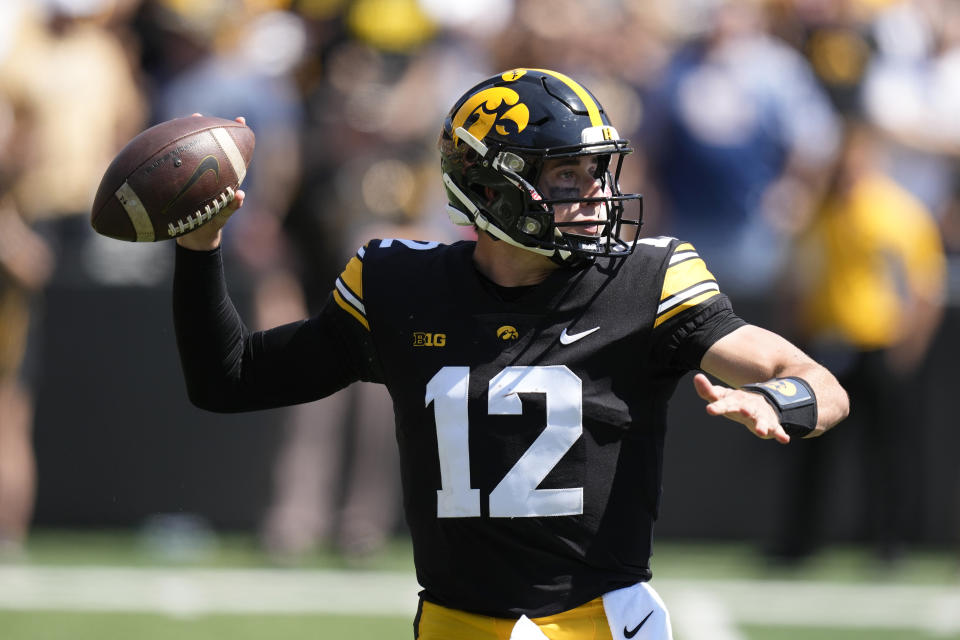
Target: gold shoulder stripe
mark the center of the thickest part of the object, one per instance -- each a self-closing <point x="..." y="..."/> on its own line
<point x="687" y="304"/>
<point x="346" y="306"/>
<point x="683" y="275"/>
<point x="592" y="109"/>
<point x="348" y="290"/>
<point x="684" y="246"/>
<point x="352" y="276"/>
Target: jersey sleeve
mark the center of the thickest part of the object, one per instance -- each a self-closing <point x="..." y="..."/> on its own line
<point x="229" y="369"/>
<point x="692" y="312"/>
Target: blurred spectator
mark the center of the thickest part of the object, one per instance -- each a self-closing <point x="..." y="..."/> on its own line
<point x="333" y="477"/>
<point x="835" y="38"/>
<point x="25" y="265"/>
<point x="912" y="95"/>
<point x="365" y="171"/>
<point x="870" y="278"/>
<point x="739" y="137"/>
<point x="68" y="100"/>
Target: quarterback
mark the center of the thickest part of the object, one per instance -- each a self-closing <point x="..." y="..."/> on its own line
<point x="530" y="370"/>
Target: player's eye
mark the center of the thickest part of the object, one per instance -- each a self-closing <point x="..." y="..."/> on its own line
<point x="564" y="179"/>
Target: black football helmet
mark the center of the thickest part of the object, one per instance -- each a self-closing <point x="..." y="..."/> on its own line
<point x="493" y="147"/>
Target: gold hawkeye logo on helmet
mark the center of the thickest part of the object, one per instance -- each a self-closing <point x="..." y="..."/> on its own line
<point x="492" y="108"/>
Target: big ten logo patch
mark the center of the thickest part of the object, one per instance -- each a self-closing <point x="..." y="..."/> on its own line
<point x="424" y="339"/>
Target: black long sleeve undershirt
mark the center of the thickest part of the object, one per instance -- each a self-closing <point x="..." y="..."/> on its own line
<point x="227" y="368"/>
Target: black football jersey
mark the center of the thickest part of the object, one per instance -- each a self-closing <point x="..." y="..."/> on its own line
<point x="530" y="421"/>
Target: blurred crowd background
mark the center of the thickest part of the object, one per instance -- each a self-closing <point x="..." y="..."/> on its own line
<point x="810" y="149"/>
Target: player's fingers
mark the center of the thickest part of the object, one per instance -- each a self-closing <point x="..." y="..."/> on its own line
<point x="241" y="120"/>
<point x="771" y="431"/>
<point x="780" y="435"/>
<point x="238" y="197"/>
<point x="196" y="114"/>
<point x="220" y="220"/>
<point x="726" y="401"/>
<point x="731" y="408"/>
<point x="739" y="407"/>
<point x="706" y="389"/>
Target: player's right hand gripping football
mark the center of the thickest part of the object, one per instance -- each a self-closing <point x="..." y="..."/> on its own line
<point x="209" y="235"/>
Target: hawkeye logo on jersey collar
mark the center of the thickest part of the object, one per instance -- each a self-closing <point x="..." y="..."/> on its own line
<point x="507" y="333"/>
<point x="425" y="339"/>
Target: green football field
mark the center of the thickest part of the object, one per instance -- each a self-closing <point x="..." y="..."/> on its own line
<point x="113" y="586"/>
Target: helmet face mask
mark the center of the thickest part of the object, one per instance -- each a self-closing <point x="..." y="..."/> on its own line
<point x="494" y="147"/>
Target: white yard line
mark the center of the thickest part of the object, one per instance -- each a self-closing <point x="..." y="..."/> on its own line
<point x="700" y="608"/>
<point x="698" y="614"/>
<point x="933" y="608"/>
<point x="199" y="591"/>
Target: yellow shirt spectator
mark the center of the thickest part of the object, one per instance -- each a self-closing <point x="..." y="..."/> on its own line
<point x="871" y="253"/>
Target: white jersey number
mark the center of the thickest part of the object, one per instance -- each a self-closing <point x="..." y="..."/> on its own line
<point x="516" y="496"/>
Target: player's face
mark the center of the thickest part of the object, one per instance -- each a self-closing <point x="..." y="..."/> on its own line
<point x="569" y="178"/>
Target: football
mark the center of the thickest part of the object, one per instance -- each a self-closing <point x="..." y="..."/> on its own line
<point x="172" y="178"/>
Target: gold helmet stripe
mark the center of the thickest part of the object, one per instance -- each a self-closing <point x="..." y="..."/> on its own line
<point x="592" y="109"/>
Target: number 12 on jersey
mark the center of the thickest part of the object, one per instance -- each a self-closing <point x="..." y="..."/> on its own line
<point x="516" y="496"/>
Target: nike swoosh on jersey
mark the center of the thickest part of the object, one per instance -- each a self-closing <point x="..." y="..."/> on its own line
<point x="570" y="338"/>
<point x="632" y="632"/>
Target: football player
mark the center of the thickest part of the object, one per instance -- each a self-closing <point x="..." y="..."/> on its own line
<point x="530" y="370"/>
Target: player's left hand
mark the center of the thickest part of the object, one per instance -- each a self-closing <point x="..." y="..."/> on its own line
<point x="749" y="409"/>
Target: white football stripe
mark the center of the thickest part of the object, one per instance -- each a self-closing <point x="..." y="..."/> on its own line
<point x="226" y="142"/>
<point x="352" y="299"/>
<point x="659" y="241"/>
<point x="137" y="213"/>
<point x="683" y="255"/>
<point x="683" y="296"/>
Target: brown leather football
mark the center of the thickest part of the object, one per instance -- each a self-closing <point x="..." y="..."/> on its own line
<point x="172" y="178"/>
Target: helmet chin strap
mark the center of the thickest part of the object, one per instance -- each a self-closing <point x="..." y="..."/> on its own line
<point x="457" y="216"/>
<point x="485" y="225"/>
<point x="480" y="220"/>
